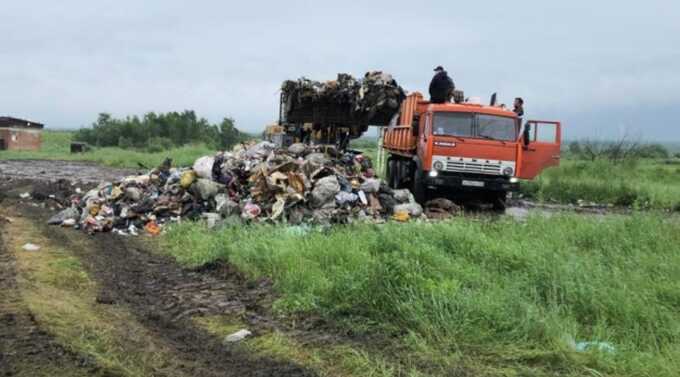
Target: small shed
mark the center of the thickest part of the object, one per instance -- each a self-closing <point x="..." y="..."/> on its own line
<point x="20" y="134"/>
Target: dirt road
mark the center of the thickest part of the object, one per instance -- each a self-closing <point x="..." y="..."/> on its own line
<point x="75" y="171"/>
<point x="161" y="297"/>
<point x="24" y="345"/>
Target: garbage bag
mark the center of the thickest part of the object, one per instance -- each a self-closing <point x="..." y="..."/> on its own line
<point x="133" y="194"/>
<point x="297" y="149"/>
<point x="325" y="190"/>
<point x="225" y="206"/>
<point x="388" y="202"/>
<point x="344" y="197"/>
<point x="414" y="209"/>
<point x="203" y="167"/>
<point x="260" y="150"/>
<point x="403" y="196"/>
<point x="206" y="188"/>
<point x="370" y="185"/>
<point x="401" y="216"/>
<point x="67" y="214"/>
<point x="187" y="179"/>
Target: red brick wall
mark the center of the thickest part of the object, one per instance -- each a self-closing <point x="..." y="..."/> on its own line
<point x="21" y="139"/>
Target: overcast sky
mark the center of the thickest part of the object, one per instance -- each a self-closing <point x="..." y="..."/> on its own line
<point x="602" y="67"/>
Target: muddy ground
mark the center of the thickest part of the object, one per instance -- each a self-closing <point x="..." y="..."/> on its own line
<point x="75" y="171"/>
<point x="22" y="341"/>
<point x="161" y="295"/>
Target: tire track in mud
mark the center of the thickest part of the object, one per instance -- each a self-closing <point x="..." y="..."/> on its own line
<point x="23" y="344"/>
<point x="163" y="296"/>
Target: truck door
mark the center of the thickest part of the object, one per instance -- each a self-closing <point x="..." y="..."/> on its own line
<point x="542" y="149"/>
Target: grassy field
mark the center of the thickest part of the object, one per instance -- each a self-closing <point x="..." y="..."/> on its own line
<point x="490" y="296"/>
<point x="638" y="183"/>
<point x="56" y="146"/>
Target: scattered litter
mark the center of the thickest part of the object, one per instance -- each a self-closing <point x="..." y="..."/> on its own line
<point x="25" y="195"/>
<point x="71" y="213"/>
<point x="590" y="345"/>
<point x="237" y="336"/>
<point x="413" y="209"/>
<point x="401" y="216"/>
<point x="298" y="230"/>
<point x="212" y="219"/>
<point x="68" y="222"/>
<point x="152" y="228"/>
<point x="31" y="247"/>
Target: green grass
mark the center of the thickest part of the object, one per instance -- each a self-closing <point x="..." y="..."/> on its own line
<point x="496" y="296"/>
<point x="56" y="146"/>
<point x="641" y="183"/>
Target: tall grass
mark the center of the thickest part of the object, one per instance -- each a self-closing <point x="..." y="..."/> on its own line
<point x="493" y="291"/>
<point x="639" y="183"/>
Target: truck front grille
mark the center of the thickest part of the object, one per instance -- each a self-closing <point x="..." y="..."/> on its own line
<point x="479" y="167"/>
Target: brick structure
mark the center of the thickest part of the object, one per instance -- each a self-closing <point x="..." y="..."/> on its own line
<point x="19" y="134"/>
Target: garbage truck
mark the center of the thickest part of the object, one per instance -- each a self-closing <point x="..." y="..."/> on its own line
<point x="460" y="147"/>
<point x="466" y="147"/>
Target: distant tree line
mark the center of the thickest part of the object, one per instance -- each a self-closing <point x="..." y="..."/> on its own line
<point x="155" y="132"/>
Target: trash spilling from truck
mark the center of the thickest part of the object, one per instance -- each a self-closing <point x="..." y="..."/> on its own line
<point x="253" y="183"/>
<point x="373" y="99"/>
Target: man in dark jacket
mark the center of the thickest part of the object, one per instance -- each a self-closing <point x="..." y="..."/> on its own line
<point x="518" y="107"/>
<point x="441" y="86"/>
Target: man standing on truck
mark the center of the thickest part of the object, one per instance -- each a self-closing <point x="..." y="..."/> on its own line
<point x="518" y="107"/>
<point x="441" y="86"/>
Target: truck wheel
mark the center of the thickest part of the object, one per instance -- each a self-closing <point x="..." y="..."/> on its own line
<point x="498" y="200"/>
<point x="392" y="174"/>
<point x="418" y="186"/>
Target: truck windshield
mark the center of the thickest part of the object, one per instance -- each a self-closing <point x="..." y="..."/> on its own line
<point x="453" y="124"/>
<point x="463" y="125"/>
<point x="496" y="127"/>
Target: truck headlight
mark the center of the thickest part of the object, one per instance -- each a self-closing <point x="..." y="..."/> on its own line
<point x="514" y="180"/>
<point x="438" y="165"/>
<point x="508" y="171"/>
<point x="433" y="173"/>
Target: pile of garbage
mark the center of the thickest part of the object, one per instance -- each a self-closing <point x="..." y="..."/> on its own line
<point x="251" y="183"/>
<point x="372" y="100"/>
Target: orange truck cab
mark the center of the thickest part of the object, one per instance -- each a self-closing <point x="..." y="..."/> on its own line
<point x="466" y="148"/>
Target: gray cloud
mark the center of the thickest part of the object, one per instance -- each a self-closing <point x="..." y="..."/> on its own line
<point x="597" y="66"/>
